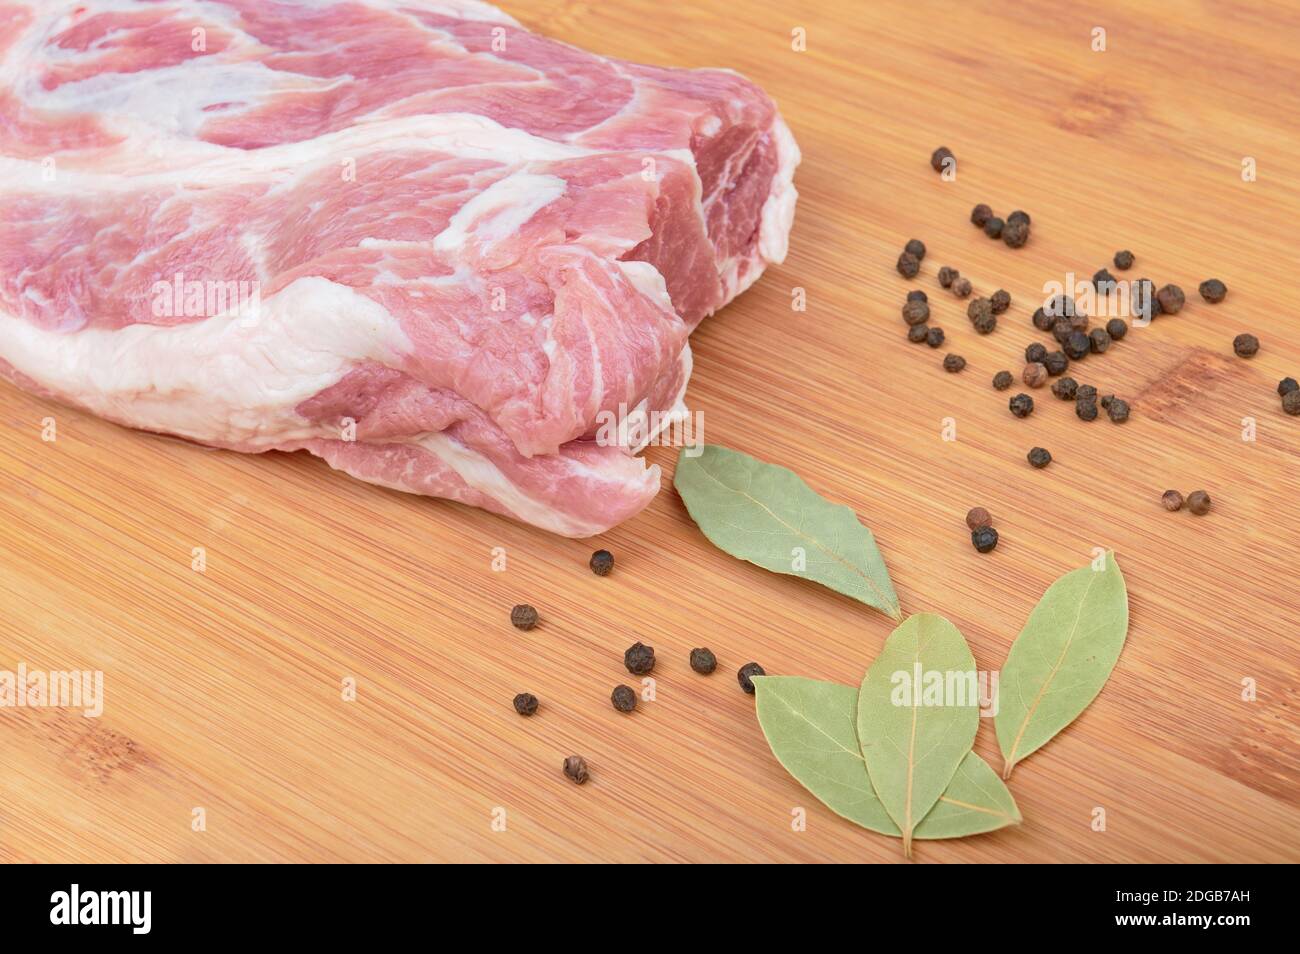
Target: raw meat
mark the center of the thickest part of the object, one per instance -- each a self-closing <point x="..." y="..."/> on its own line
<point x="408" y="236"/>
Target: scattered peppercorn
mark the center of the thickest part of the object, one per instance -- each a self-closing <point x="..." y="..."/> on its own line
<point x="1118" y="410"/>
<point x="703" y="661"/>
<point x="1086" y="410"/>
<point x="1022" y="405"/>
<point x="1291" y="402"/>
<point x="979" y="307"/>
<point x="1039" y="457"/>
<point x="745" y="675"/>
<point x="1142" y="299"/>
<point x="1061" y="329"/>
<point x="1042" y="320"/>
<point x="1103" y="281"/>
<point x="1076" y="345"/>
<point x="1123" y="259"/>
<point x="1172" y="500"/>
<point x="1246" y="346"/>
<point x="917" y="295"/>
<point x="624" y="698"/>
<point x="978" y="517"/>
<point x="961" y="287"/>
<point x="1171" y="299"/>
<point x="1034" y="375"/>
<point x="915" y="247"/>
<point x="1019" y="216"/>
<point x="1065" y="388"/>
<point x="602" y="561"/>
<point x="1000" y="300"/>
<point x="1002" y="380"/>
<point x="525" y="703"/>
<point x="1035" y="352"/>
<point x="993" y="227"/>
<point x="1056" y="362"/>
<point x="940" y="158"/>
<point x="1286" y="386"/>
<point x="1098" y="340"/>
<point x="981" y="214"/>
<point x="985" y="324"/>
<point x="1087" y="392"/>
<point x="523" y="616"/>
<point x="916" y="312"/>
<point x="908" y="265"/>
<point x="917" y="333"/>
<point x="984" y="539"/>
<point x="1015" y="234"/>
<point x="1106" y="399"/>
<point x="1198" y="502"/>
<point x="953" y="363"/>
<point x="934" y="337"/>
<point x="575" y="767"/>
<point x="1213" y="290"/>
<point x="947" y="276"/>
<point x="639" y="659"/>
<point x="1117" y="328"/>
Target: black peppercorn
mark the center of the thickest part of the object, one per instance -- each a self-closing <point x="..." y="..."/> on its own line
<point x="1065" y="388"/>
<point x="1106" y="399"/>
<point x="1000" y="300"/>
<point x="1123" y="259"/>
<point x="1098" y="340"/>
<point x="981" y="214"/>
<point x="979" y="307"/>
<point x="1086" y="410"/>
<point x="961" y="287"/>
<point x="985" y="324"/>
<point x="993" y="227"/>
<point x="1039" y="457"/>
<point x="1042" y="320"/>
<point x="915" y="247"/>
<point x="1213" y="290"/>
<point x="978" y="517"/>
<point x="1015" y="234"/>
<point x="1171" y="299"/>
<point x="984" y="539"/>
<point x="1286" y="386"/>
<point x="1118" y="410"/>
<point x="523" y="616"/>
<point x="917" y="333"/>
<point x="525" y="703"/>
<point x="602" y="561"/>
<point x="1246" y="346"/>
<point x="941" y="158"/>
<point x="1002" y="380"/>
<point x="947" y="276"/>
<point x="917" y="295"/>
<point x="916" y="312"/>
<point x="934" y="337"/>
<point x="908" y="265"/>
<point x="1291" y="402"/>
<point x="953" y="363"/>
<point x="746" y="673"/>
<point x="1172" y="500"/>
<point x="575" y="768"/>
<point x="1022" y="405"/>
<point x="1076" y="345"/>
<point x="1198" y="502"/>
<point x="624" y="698"/>
<point x="639" y="659"/>
<point x="1061" y="329"/>
<point x="1117" y="328"/>
<point x="1087" y="392"/>
<point x="1079" y="322"/>
<point x="1142" y="299"/>
<point x="1019" y="216"/>
<point x="1034" y="375"/>
<point x="703" y="661"/>
<point x="1056" y="362"/>
<point x="1103" y="281"/>
<point x="1035" y="352"/>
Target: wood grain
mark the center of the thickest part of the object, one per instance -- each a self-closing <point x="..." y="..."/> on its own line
<point x="223" y="687"/>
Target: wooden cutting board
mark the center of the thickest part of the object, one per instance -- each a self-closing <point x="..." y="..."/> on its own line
<point x="223" y="688"/>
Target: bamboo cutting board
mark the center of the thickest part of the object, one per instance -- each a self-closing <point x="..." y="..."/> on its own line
<point x="224" y="688"/>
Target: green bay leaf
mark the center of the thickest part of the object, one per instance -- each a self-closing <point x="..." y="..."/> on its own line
<point x="912" y="742"/>
<point x="1061" y="658"/>
<point x="811" y="726"/>
<point x="767" y="515"/>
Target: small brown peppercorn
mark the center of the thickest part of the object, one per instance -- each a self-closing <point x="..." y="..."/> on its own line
<point x="917" y="333"/>
<point x="623" y="698"/>
<point x="1034" y="375"/>
<point x="984" y="539"/>
<point x="985" y="324"/>
<point x="1291" y="402"/>
<point x="934" y="337"/>
<point x="1171" y="299"/>
<point x="1065" y="388"/>
<point x="1087" y="392"/>
<point x="1034" y="352"/>
<point x="981" y="214"/>
<point x="1123" y="259"/>
<point x="993" y="227"/>
<point x="961" y="287"/>
<point x="1286" y="386"/>
<point x="1002" y="380"/>
<point x="1106" y="399"/>
<point x="916" y="312"/>
<point x="523" y="616"/>
<point x="908" y="265"/>
<point x="1015" y="234"/>
<point x="575" y="768"/>
<point x="915" y="247"/>
<point x="1117" y="328"/>
<point x="1198" y="502"/>
<point x="978" y="517"/>
<point x="746" y="674"/>
<point x="947" y="276"/>
<point x="979" y="307"/>
<point x="525" y="703"/>
<point x="639" y="659"/>
<point x="917" y="295"/>
<point x="1213" y="290"/>
<point x="1172" y="500"/>
<point x="1098" y="340"/>
<point x="942" y="158"/>
<point x="1117" y="410"/>
<point x="1103" y="281"/>
<point x="602" y="561"/>
<point x="1076" y="345"/>
<point x="1142" y="299"/>
<point x="1000" y="300"/>
<point x="1056" y="362"/>
<point x="1022" y="405"/>
<point x="953" y="363"/>
<point x="1246" y="346"/>
<point x="1042" y="320"/>
<point x="1039" y="457"/>
<point x="1061" y="329"/>
<point x="1085" y="410"/>
<point x="703" y="661"/>
<point x="1079" y="321"/>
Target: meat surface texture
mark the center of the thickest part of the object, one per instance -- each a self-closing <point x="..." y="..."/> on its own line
<point x="408" y="236"/>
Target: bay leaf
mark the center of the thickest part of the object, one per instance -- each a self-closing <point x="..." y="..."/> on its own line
<point x="767" y="515"/>
<point x="811" y="727"/>
<point x="1061" y="658"/>
<point x="913" y="743"/>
